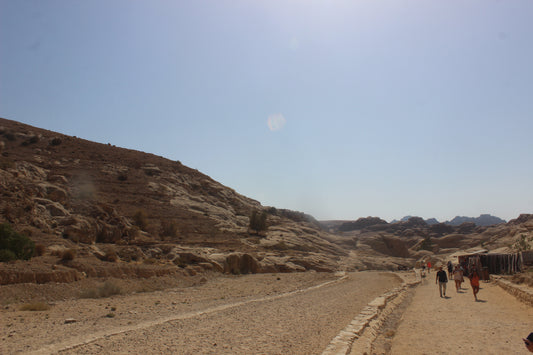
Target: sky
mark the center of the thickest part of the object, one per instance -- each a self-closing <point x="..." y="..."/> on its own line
<point x="339" y="109"/>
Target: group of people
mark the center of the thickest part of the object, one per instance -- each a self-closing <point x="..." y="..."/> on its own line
<point x="456" y="273"/>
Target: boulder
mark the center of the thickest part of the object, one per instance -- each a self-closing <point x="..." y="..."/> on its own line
<point x="53" y="192"/>
<point x="55" y="209"/>
<point x="238" y="263"/>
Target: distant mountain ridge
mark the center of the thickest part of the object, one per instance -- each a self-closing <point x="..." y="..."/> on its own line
<point x="483" y="220"/>
<point x="429" y="221"/>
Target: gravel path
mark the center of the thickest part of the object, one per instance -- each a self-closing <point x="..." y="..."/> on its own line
<point x="266" y="313"/>
<point x="459" y="325"/>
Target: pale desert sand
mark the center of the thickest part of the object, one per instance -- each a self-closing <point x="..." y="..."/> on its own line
<point x="297" y="313"/>
<point x="459" y="325"/>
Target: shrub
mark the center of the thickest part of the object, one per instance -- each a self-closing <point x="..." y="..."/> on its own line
<point x="109" y="289"/>
<point x="56" y="141"/>
<point x="169" y="228"/>
<point x="7" y="255"/>
<point x="111" y="256"/>
<point x="106" y="290"/>
<point x="258" y="221"/>
<point x="37" y="306"/>
<point x="68" y="255"/>
<point x="13" y="244"/>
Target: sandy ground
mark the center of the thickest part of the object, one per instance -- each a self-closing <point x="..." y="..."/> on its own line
<point x="459" y="325"/>
<point x="295" y="313"/>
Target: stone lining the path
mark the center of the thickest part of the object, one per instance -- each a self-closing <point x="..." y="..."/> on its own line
<point x="522" y="293"/>
<point x="358" y="336"/>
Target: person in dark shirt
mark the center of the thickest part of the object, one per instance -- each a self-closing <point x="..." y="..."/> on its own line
<point x="442" y="279"/>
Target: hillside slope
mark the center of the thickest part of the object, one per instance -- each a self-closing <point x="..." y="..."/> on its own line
<point x="110" y="203"/>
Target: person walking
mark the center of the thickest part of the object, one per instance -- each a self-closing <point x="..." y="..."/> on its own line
<point x="429" y="266"/>
<point x="442" y="279"/>
<point x="474" y="282"/>
<point x="450" y="269"/>
<point x="457" y="277"/>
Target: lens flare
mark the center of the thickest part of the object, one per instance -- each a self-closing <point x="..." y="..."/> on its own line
<point x="276" y="122"/>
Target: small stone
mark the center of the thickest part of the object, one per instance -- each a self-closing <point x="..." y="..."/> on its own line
<point x="70" y="320"/>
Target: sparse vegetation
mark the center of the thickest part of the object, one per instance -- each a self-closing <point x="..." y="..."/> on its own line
<point x="14" y="245"/>
<point x="169" y="229"/>
<point x="106" y="290"/>
<point x="68" y="255"/>
<point x="258" y="221"/>
<point x="111" y="256"/>
<point x="31" y="140"/>
<point x="34" y="307"/>
<point x="56" y="141"/>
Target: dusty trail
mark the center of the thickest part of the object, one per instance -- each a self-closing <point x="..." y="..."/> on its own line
<point x="459" y="325"/>
<point x="273" y="314"/>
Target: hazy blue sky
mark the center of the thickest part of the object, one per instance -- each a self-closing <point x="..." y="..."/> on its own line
<point x="376" y="108"/>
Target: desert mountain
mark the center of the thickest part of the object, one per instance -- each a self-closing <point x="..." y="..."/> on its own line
<point x="482" y="220"/>
<point x="96" y="210"/>
<point x="70" y="193"/>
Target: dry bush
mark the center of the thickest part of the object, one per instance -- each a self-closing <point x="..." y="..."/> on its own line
<point x="68" y="255"/>
<point x="56" y="141"/>
<point x="109" y="289"/>
<point x="37" y="306"/>
<point x="106" y="290"/>
<point x="169" y="228"/>
<point x="111" y="256"/>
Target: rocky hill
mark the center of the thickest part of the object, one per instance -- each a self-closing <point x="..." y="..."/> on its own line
<point x="142" y="212"/>
<point x="415" y="239"/>
<point x="96" y="210"/>
<point x="482" y="220"/>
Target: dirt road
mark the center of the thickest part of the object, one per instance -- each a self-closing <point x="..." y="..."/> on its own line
<point x="270" y="314"/>
<point x="457" y="324"/>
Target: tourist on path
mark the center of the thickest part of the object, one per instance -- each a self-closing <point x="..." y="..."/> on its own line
<point x="457" y="277"/>
<point x="442" y="279"/>
<point x="429" y="266"/>
<point x="474" y="282"/>
<point x="450" y="269"/>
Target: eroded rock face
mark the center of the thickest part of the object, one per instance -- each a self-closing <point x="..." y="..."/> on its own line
<point x="238" y="263"/>
<point x="13" y="274"/>
<point x="388" y="245"/>
<point x="361" y="223"/>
